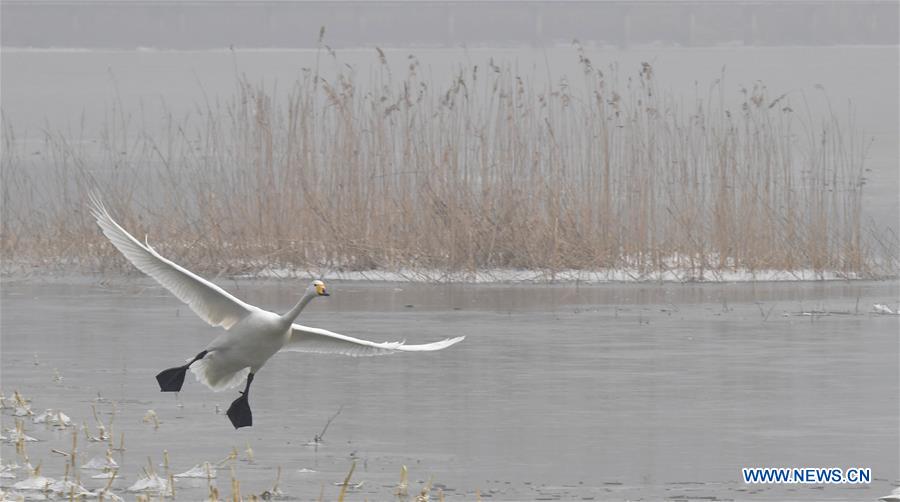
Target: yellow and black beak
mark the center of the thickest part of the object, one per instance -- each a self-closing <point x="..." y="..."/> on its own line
<point x="320" y="289"/>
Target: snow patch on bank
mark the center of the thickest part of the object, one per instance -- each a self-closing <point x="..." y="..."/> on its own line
<point x="537" y="276"/>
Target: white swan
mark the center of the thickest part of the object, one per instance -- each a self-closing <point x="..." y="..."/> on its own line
<point x="252" y="335"/>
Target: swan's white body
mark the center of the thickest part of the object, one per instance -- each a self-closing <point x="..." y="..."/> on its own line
<point x="244" y="348"/>
<point x="252" y="335"/>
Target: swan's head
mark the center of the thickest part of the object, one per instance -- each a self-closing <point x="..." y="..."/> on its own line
<point x="319" y="288"/>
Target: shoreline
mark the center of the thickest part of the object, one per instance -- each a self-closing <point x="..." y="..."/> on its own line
<point x="20" y="271"/>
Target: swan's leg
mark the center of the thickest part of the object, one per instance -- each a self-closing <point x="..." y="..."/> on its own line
<point x="239" y="411"/>
<point x="172" y="379"/>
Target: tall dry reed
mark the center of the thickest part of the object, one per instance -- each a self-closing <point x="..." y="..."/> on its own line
<point x="602" y="170"/>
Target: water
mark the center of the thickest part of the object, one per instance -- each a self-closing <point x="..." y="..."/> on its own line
<point x="611" y="392"/>
<point x="605" y="392"/>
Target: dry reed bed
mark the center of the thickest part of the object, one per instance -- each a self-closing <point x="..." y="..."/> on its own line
<point x="491" y="170"/>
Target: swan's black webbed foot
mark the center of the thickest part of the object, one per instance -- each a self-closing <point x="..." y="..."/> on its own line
<point x="239" y="411"/>
<point x="172" y="379"/>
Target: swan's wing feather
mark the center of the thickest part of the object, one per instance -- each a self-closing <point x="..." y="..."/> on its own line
<point x="322" y="341"/>
<point x="212" y="303"/>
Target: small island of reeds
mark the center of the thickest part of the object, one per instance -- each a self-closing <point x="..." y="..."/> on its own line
<point x="490" y="175"/>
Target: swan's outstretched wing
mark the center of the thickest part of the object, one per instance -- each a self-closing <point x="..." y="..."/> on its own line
<point x="212" y="303"/>
<point x="322" y="341"/>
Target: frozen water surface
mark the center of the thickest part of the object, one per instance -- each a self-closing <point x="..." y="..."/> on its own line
<point x="600" y="392"/>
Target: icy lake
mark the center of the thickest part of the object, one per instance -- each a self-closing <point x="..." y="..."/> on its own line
<point x="600" y="392"/>
<point x="558" y="392"/>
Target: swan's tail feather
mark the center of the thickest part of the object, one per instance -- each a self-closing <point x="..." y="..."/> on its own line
<point x="217" y="376"/>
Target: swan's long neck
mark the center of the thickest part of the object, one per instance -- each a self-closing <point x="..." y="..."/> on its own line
<point x="292" y="314"/>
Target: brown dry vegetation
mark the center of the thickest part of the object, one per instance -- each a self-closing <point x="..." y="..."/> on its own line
<point x="604" y="170"/>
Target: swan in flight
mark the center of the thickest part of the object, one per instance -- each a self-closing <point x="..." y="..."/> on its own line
<point x="252" y="335"/>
